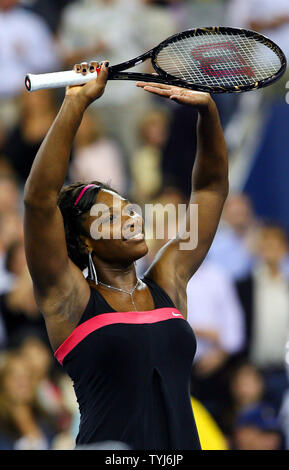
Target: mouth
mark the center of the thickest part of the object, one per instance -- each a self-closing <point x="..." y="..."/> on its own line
<point x="136" y="237"/>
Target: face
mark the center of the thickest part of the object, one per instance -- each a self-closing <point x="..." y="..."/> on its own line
<point x="11" y="228"/>
<point x="247" y="386"/>
<point x="237" y="212"/>
<point x="115" y="229"/>
<point x="155" y="130"/>
<point x="37" y="356"/>
<point x="9" y="195"/>
<point x="271" y="245"/>
<point x="17" y="383"/>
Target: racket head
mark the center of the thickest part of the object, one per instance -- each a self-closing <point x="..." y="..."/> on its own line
<point x="219" y="59"/>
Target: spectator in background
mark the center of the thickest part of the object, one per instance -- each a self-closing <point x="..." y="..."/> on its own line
<point x="65" y="440"/>
<point x="267" y="17"/>
<point x="83" y="31"/>
<point x="21" y="419"/>
<point x="36" y="352"/>
<point x="49" y="10"/>
<point x="18" y="308"/>
<point x="246" y="389"/>
<point x="9" y="194"/>
<point x="95" y="30"/>
<point x="5" y="167"/>
<point x="270" y="18"/>
<point x="37" y="112"/>
<point x="265" y="298"/>
<point x="121" y="30"/>
<point x="258" y="428"/>
<point x="11" y="228"/>
<point x="158" y="22"/>
<point x="215" y="314"/>
<point x="26" y="45"/>
<point x="231" y="248"/>
<point x="97" y="156"/>
<point x="146" y="162"/>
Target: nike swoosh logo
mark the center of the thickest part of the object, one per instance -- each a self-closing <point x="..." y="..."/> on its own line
<point x="176" y="314"/>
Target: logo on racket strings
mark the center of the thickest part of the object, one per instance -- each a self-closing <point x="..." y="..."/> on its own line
<point x="221" y="60"/>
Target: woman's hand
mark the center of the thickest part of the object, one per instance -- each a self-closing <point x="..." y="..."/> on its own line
<point x="181" y="95"/>
<point x="92" y="90"/>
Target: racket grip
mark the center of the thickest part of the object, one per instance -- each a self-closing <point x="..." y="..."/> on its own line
<point x="57" y="79"/>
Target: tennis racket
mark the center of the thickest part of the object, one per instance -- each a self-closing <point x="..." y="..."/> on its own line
<point x="213" y="59"/>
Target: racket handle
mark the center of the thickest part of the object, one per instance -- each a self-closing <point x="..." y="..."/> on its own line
<point x="57" y="79"/>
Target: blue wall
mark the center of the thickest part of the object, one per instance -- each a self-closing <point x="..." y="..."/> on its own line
<point x="268" y="181"/>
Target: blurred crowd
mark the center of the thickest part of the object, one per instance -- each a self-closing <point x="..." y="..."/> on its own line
<point x="238" y="301"/>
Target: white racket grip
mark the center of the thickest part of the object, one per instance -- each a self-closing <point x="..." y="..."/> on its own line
<point x="57" y="79"/>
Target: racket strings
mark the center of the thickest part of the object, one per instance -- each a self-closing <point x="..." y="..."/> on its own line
<point x="219" y="59"/>
<point x="182" y="51"/>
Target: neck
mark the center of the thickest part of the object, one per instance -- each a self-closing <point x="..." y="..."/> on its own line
<point x="122" y="277"/>
<point x="273" y="269"/>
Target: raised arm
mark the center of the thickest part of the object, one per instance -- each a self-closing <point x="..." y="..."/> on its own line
<point x="60" y="288"/>
<point x="173" y="265"/>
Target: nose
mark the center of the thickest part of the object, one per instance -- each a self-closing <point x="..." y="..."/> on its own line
<point x="133" y="223"/>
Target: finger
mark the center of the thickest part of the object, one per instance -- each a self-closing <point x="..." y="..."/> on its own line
<point x="93" y="66"/>
<point x="84" y="68"/>
<point x="159" y="85"/>
<point x="158" y="91"/>
<point x="141" y="84"/>
<point x="154" y="85"/>
<point x="103" y="73"/>
<point x="77" y="68"/>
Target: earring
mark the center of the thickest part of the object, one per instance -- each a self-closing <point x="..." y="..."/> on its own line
<point x="91" y="268"/>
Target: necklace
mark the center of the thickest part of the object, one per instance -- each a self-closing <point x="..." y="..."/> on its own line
<point x="130" y="293"/>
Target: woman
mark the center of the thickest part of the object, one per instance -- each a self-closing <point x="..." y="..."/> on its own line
<point x="36" y="114"/>
<point x="23" y="422"/>
<point x="122" y="340"/>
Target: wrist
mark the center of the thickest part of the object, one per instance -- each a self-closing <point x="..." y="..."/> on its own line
<point x="76" y="103"/>
<point x="208" y="106"/>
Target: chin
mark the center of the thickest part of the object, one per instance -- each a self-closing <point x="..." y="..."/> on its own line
<point x="137" y="251"/>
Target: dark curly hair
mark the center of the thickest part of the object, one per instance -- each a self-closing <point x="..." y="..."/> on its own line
<point x="72" y="217"/>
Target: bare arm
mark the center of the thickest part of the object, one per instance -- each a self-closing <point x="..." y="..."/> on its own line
<point x="273" y="23"/>
<point x="173" y="266"/>
<point x="60" y="288"/>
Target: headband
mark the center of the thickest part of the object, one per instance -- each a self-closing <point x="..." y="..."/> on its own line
<point x="83" y="191"/>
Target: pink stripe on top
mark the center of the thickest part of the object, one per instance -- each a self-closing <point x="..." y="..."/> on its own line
<point x="105" y="319"/>
<point x="83" y="191"/>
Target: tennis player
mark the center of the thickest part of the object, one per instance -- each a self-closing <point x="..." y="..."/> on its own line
<point x="124" y="341"/>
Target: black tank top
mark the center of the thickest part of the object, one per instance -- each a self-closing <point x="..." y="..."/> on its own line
<point x="131" y="374"/>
